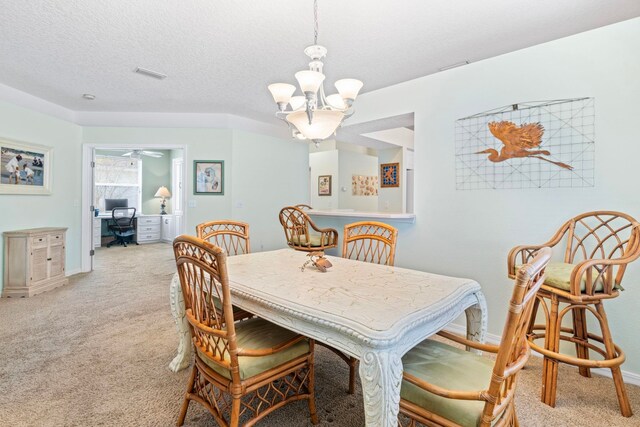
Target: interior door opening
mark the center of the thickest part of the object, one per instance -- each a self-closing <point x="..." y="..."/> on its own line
<point x="132" y="195"/>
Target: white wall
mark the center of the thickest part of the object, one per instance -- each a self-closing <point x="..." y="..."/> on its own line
<point x="353" y="163"/>
<point x="469" y="233"/>
<point x="62" y="207"/>
<point x="265" y="172"/>
<point x="324" y="163"/>
<point x="391" y="199"/>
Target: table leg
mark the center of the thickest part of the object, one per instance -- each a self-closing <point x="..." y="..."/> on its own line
<point x="477" y="320"/>
<point x="381" y="375"/>
<point x="183" y="359"/>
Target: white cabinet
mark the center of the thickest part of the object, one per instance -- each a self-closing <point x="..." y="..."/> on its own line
<point x="33" y="261"/>
<point x="148" y="229"/>
<point x="97" y="232"/>
<point x="168" y="228"/>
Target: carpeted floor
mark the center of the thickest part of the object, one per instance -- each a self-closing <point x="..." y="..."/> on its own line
<point x="95" y="353"/>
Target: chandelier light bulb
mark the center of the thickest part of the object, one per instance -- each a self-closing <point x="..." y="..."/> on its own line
<point x="348" y="89"/>
<point x="309" y="81"/>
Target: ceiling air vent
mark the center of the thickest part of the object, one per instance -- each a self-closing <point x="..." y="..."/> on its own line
<point x="151" y="73"/>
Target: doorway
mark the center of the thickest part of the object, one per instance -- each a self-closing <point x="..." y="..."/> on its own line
<point x="142" y="177"/>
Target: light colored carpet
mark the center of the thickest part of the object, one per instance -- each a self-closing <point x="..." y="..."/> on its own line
<point x="96" y="353"/>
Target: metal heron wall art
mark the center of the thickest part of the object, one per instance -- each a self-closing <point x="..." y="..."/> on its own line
<point x="519" y="141"/>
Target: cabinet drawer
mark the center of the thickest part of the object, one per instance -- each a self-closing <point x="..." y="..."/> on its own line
<point x="146" y="237"/>
<point x="153" y="228"/>
<point x="56" y="239"/>
<point x="39" y="241"/>
<point x="148" y="220"/>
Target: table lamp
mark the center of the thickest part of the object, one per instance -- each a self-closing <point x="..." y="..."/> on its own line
<point x="164" y="193"/>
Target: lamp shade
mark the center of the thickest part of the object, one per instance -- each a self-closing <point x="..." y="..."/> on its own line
<point x="296" y="102"/>
<point x="309" y="81"/>
<point x="324" y="123"/>
<point x="281" y="92"/>
<point x="163" y="192"/>
<point x="336" y="101"/>
<point x="348" y="88"/>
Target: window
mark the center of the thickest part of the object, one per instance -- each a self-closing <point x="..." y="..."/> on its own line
<point x="117" y="178"/>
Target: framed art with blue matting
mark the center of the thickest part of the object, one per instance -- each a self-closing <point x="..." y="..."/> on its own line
<point x="390" y="175"/>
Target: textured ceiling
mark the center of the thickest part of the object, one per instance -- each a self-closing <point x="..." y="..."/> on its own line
<point x="220" y="55"/>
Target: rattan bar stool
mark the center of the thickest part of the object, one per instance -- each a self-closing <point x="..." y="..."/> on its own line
<point x="599" y="246"/>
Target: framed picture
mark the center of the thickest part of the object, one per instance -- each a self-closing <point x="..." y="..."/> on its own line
<point x="324" y="185"/>
<point x="208" y="177"/>
<point x="25" y="168"/>
<point x="390" y="175"/>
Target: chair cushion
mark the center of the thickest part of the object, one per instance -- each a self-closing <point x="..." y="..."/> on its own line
<point x="314" y="240"/>
<point x="558" y="275"/>
<point x="449" y="367"/>
<point x="256" y="334"/>
<point x="218" y="305"/>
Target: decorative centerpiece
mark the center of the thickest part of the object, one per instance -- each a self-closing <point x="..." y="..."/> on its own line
<point x="318" y="260"/>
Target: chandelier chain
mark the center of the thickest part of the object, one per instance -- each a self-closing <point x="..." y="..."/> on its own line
<point x="315" y="21"/>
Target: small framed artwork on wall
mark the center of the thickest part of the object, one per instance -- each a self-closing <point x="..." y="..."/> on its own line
<point x="208" y="177"/>
<point x="324" y="185"/>
<point x="25" y="168"/>
<point x="389" y="175"/>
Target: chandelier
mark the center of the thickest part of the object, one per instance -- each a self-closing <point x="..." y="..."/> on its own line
<point x="313" y="115"/>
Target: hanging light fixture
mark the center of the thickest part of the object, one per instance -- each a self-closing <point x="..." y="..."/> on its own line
<point x="313" y="115"/>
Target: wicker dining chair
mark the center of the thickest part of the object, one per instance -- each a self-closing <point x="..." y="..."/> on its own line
<point x="367" y="241"/>
<point x="245" y="370"/>
<point x="597" y="248"/>
<point x="370" y="241"/>
<point x="302" y="234"/>
<point x="304" y="207"/>
<point x="233" y="237"/>
<point x="448" y="386"/>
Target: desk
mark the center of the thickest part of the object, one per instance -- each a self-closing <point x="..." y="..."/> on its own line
<point x="148" y="228"/>
<point x="372" y="312"/>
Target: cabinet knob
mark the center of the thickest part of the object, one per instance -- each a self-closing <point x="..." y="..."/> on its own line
<point x="48" y="259"/>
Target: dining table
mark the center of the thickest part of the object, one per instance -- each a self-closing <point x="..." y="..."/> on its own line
<point x="372" y="312"/>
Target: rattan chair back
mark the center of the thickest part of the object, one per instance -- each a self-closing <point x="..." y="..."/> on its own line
<point x="370" y="241"/>
<point x="593" y="236"/>
<point x="514" y="350"/>
<point x="202" y="268"/>
<point x="232" y="236"/>
<point x="298" y="229"/>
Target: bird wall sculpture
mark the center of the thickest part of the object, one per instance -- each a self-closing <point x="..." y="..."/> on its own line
<point x="519" y="141"/>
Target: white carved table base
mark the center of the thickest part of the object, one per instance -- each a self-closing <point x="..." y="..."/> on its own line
<point x="380" y="359"/>
<point x="183" y="359"/>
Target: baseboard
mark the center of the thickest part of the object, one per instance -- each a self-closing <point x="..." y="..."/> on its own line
<point x="629" y="377"/>
<point x="72" y="272"/>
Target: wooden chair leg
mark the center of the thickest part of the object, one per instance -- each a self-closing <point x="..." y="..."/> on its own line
<point x="235" y="412"/>
<point x="549" y="365"/>
<point x="187" y="399"/>
<point x="312" y="383"/>
<point x="580" y="332"/>
<point x="353" y="364"/>
<point x="534" y="313"/>
<point x="621" y="391"/>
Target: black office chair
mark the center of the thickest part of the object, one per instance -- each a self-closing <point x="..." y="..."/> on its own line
<point x="122" y="226"/>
